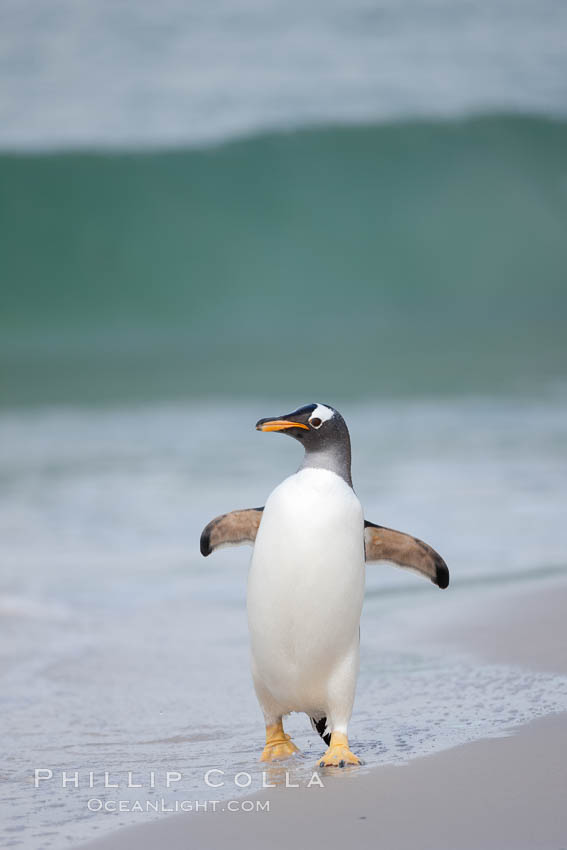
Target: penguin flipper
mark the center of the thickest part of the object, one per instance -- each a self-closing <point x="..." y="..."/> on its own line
<point x="385" y="544"/>
<point x="231" y="530"/>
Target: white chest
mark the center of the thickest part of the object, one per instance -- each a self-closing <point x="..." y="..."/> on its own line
<point x="310" y="544"/>
<point x="312" y="515"/>
<point x="306" y="585"/>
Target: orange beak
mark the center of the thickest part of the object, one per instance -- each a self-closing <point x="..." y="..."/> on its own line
<point x="278" y="425"/>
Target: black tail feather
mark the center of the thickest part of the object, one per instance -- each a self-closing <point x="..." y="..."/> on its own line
<point x="319" y="726"/>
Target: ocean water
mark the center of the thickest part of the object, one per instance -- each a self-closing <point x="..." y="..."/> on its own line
<point x="124" y="650"/>
<point x="136" y="73"/>
<point x="386" y="259"/>
<point x="246" y="199"/>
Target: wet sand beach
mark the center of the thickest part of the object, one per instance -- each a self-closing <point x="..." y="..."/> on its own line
<point x="503" y="793"/>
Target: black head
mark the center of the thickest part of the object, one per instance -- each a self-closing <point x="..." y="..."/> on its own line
<point x="322" y="431"/>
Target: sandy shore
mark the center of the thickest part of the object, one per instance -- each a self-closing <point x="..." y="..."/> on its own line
<point x="496" y="794"/>
<point x="525" y="625"/>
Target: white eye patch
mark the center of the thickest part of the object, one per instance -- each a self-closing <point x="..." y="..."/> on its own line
<point x="322" y="412"/>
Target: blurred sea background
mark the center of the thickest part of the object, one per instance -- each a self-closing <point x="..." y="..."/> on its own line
<point x="212" y="213"/>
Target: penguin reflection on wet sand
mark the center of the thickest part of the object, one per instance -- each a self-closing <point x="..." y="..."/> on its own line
<point x="306" y="583"/>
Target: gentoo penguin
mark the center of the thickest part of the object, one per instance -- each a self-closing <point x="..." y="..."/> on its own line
<point x="306" y="583"/>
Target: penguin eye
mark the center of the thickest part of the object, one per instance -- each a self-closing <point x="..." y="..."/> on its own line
<point x="315" y="422"/>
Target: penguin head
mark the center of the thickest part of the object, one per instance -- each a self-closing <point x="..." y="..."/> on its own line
<point x="317" y="426"/>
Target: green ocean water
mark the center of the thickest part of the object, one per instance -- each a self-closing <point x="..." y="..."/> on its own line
<point x="403" y="258"/>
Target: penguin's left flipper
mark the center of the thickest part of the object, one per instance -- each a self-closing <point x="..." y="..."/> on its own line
<point x="231" y="530"/>
<point x="385" y="544"/>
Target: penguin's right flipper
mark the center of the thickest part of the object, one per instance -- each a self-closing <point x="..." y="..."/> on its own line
<point x="231" y="530"/>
